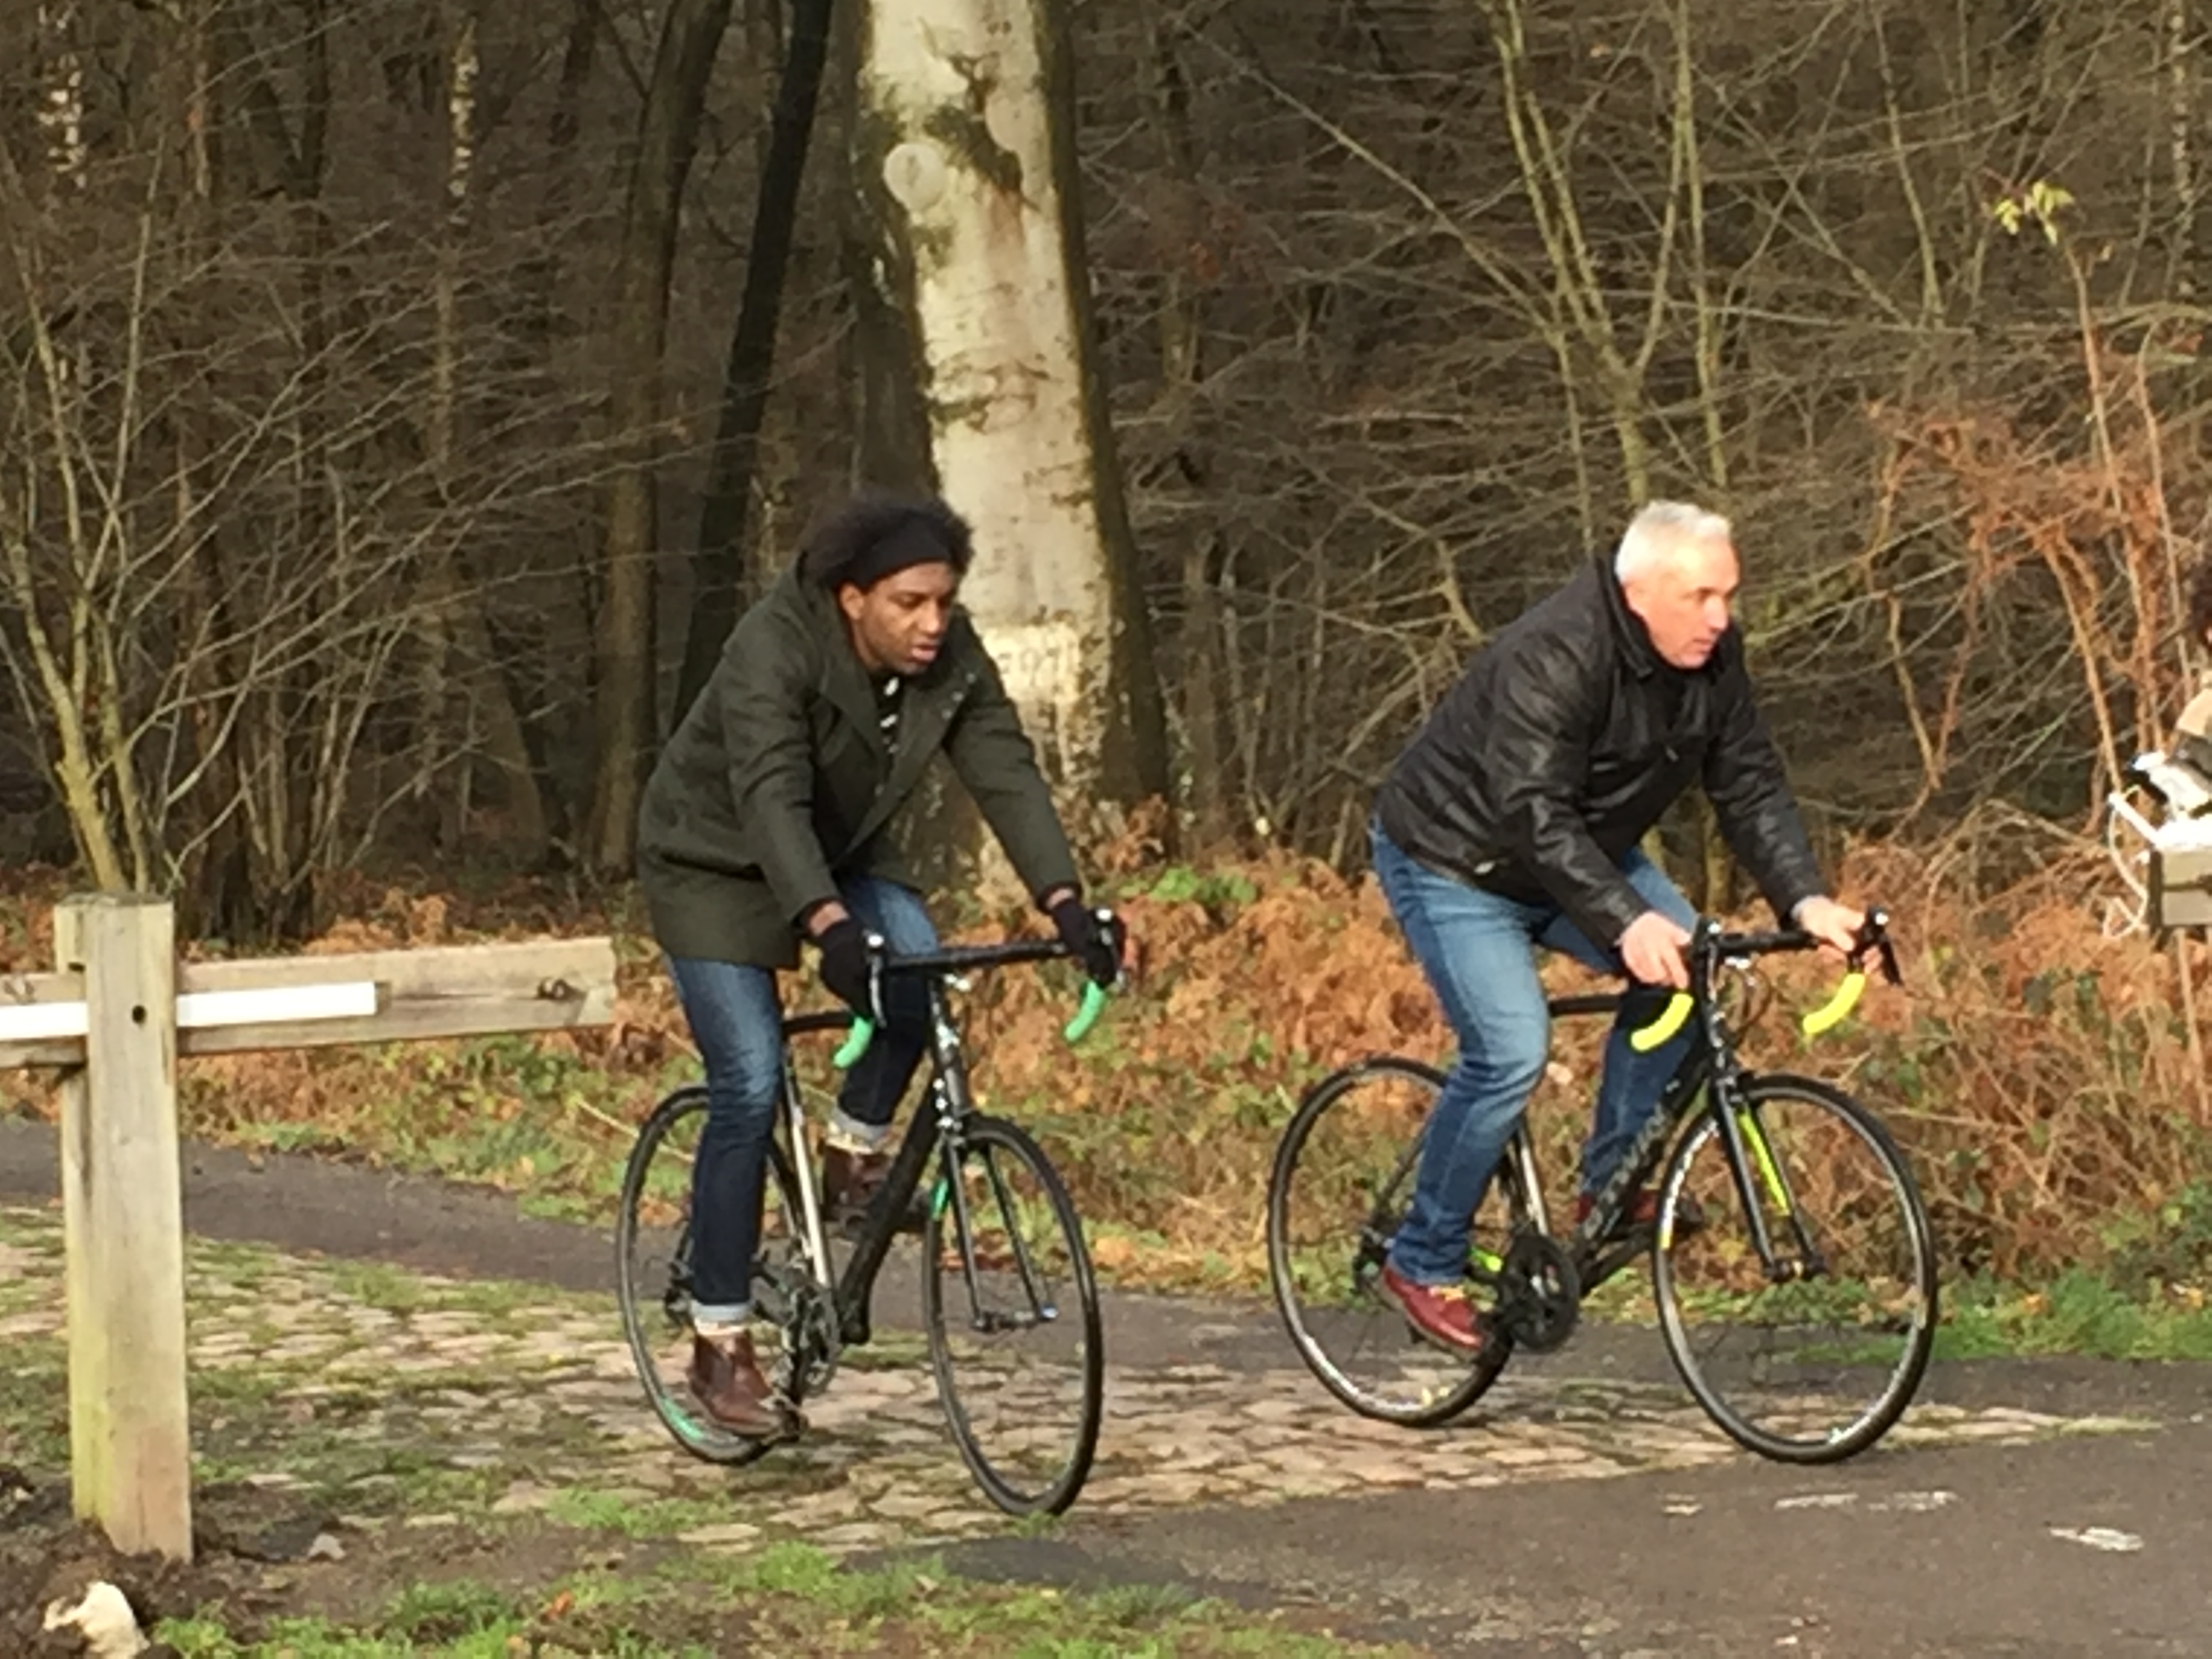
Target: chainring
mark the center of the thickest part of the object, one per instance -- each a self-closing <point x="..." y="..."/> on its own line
<point x="802" y="1313"/>
<point x="1538" y="1293"/>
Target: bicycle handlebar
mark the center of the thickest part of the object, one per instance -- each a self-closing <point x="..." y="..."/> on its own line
<point x="962" y="958"/>
<point x="1709" y="946"/>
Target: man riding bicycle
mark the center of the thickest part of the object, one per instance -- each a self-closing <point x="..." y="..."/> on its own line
<point x="1513" y="819"/>
<point x="771" y="816"/>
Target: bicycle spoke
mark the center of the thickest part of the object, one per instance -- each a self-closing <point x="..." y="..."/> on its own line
<point x="653" y="1276"/>
<point x="1810" y="1351"/>
<point x="1021" y="1374"/>
<point x="1343" y="1178"/>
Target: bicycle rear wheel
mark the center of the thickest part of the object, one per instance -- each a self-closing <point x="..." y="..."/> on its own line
<point x="652" y="1270"/>
<point x="1013" y="1311"/>
<point x="1342" y="1182"/>
<point x="1814" y="1363"/>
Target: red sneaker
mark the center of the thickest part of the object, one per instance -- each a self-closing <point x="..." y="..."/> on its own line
<point x="1439" y="1314"/>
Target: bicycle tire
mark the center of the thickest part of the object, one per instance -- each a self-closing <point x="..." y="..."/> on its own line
<point x="646" y="1306"/>
<point x="1919" y="1284"/>
<point x="1428" y="1408"/>
<point x="981" y="1137"/>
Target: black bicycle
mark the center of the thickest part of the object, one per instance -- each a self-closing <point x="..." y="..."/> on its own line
<point x="1003" y="1257"/>
<point x="1792" y="1261"/>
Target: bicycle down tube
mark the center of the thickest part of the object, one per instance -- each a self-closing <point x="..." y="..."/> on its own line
<point x="926" y="1131"/>
<point x="1712" y="1062"/>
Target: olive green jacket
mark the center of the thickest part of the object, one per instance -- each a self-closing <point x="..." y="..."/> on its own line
<point x="779" y="782"/>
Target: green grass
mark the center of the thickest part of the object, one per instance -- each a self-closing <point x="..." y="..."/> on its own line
<point x="33" y="1402"/>
<point x="791" y="1599"/>
<point x="633" y="1517"/>
<point x="2079" y="1313"/>
<point x="1027" y="1619"/>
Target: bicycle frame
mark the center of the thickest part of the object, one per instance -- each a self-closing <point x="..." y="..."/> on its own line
<point x="935" y="1130"/>
<point x="850" y="1292"/>
<point x="1711" y="1067"/>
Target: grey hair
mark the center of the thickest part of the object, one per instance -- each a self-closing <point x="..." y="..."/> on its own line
<point x="1659" y="523"/>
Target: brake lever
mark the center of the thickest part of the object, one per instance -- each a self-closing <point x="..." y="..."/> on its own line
<point x="1117" y="938"/>
<point x="1873" y="939"/>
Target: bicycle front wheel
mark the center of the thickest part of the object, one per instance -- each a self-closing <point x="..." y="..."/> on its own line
<point x="1813" y="1359"/>
<point x="1012" y="1312"/>
<point x="652" y="1270"/>
<point x="1342" y="1183"/>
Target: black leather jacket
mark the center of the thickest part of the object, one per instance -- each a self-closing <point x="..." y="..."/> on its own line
<point x="1562" y="743"/>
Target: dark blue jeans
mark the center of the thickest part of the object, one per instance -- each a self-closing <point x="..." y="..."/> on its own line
<point x="738" y="1023"/>
<point x="1476" y="949"/>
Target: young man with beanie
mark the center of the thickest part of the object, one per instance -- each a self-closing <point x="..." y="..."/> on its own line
<point x="767" y="822"/>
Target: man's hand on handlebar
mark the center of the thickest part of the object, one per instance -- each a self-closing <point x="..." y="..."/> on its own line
<point x="1837" y="926"/>
<point x="1656" y="951"/>
<point x="848" y="965"/>
<point x="1088" y="938"/>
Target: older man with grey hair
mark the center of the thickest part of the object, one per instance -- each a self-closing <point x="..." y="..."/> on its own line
<point x="1513" y="820"/>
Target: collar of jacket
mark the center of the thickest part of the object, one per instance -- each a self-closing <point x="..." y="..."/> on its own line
<point x="1627" y="627"/>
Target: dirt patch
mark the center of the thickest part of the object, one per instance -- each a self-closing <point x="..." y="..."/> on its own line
<point x="46" y="1555"/>
<point x="270" y="1567"/>
<point x="265" y="1560"/>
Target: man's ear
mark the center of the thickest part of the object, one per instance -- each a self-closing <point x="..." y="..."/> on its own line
<point x="850" y="599"/>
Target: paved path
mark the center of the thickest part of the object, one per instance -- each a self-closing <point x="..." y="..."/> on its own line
<point x="2039" y="1508"/>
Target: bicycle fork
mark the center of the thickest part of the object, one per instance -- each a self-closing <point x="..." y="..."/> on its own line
<point x="1751" y="1165"/>
<point x="950" y="1194"/>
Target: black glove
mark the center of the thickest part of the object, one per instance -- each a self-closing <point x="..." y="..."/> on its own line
<point x="847" y="961"/>
<point x="1086" y="940"/>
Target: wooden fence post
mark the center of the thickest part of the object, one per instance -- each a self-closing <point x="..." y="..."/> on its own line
<point x="115" y="1018"/>
<point x="123" y="1227"/>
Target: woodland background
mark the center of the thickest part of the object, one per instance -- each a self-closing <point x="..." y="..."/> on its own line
<point x="398" y="397"/>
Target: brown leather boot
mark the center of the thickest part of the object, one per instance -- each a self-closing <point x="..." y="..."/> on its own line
<point x="728" y="1384"/>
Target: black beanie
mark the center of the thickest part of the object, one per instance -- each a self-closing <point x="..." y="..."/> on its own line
<point x="915" y="541"/>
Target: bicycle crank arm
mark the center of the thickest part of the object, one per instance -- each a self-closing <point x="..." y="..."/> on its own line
<point x="1796" y="1269"/>
<point x="1538" y="1293"/>
<point x="990" y="1324"/>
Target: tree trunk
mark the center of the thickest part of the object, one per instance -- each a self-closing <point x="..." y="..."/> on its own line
<point x="296" y="800"/>
<point x="967" y="145"/>
<point x="464" y="684"/>
<point x="1182" y="342"/>
<point x="61" y="102"/>
<point x="668" y="132"/>
<point x="434" y="747"/>
<point x="719" y="563"/>
<point x="2181" y="142"/>
<point x="1207" y="794"/>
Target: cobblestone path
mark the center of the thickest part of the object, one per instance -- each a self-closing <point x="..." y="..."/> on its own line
<point x="402" y="1399"/>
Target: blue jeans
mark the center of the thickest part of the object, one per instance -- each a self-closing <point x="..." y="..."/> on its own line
<point x="1476" y="949"/>
<point x="738" y="1023"/>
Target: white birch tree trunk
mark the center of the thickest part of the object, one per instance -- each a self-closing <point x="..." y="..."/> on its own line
<point x="972" y="182"/>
